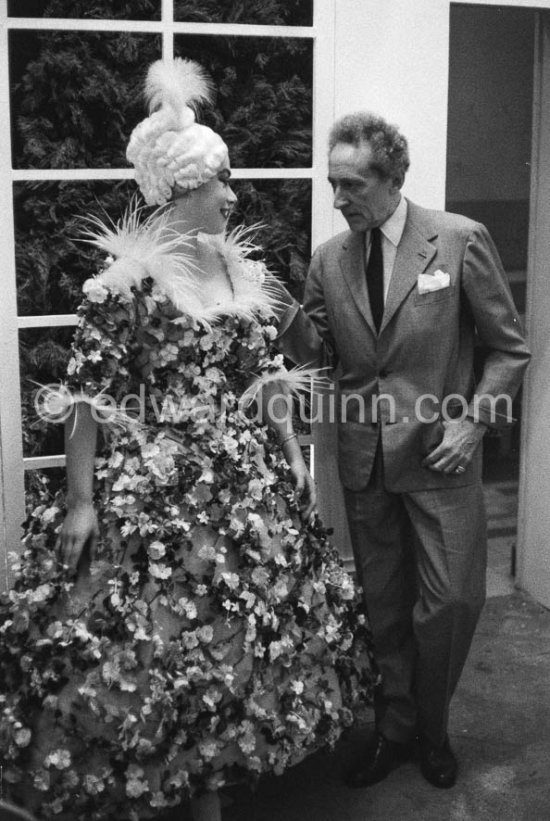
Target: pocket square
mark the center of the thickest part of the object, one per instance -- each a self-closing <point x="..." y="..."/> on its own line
<point x="433" y="282"/>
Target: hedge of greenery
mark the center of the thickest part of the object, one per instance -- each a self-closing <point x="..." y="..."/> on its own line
<point x="76" y="97"/>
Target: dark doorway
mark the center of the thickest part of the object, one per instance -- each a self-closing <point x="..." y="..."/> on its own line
<point x="488" y="179"/>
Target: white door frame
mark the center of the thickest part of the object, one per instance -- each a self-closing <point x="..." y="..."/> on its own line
<point x="11" y="448"/>
<point x="533" y="549"/>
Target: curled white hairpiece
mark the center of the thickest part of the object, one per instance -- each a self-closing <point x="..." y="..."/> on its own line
<point x="169" y="148"/>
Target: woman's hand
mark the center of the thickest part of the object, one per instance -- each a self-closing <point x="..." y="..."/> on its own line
<point x="303" y="481"/>
<point x="305" y="487"/>
<point x="80" y="527"/>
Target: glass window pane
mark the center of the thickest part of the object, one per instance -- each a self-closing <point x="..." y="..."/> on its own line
<point x="51" y="263"/>
<point x="87" y="9"/>
<point x="282" y="210"/>
<point x="43" y="356"/>
<point x="41" y="485"/>
<point x="75" y="96"/>
<point x="253" y="12"/>
<point x="264" y="96"/>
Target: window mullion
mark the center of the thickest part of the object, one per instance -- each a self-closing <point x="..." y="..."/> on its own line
<point x="62" y="24"/>
<point x="245" y="30"/>
<point x="165" y="25"/>
<point x="167" y="17"/>
<point x="49" y="174"/>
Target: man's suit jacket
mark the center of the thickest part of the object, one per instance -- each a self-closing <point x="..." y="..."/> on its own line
<point x="422" y="360"/>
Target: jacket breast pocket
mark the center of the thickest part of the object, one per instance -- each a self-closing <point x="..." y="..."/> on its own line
<point x="429" y="298"/>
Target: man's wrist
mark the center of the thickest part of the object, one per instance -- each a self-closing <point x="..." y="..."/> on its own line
<point x="478" y="425"/>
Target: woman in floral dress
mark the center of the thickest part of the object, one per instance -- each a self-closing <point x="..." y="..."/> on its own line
<point x="179" y="620"/>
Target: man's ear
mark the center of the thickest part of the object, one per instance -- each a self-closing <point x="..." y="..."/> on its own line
<point x="397" y="183"/>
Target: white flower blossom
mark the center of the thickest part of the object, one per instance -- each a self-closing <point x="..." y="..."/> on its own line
<point x="188" y="608"/>
<point x="95" y="291"/>
<point x="160" y="571"/>
<point x="207" y="553"/>
<point x="50" y="514"/>
<point x="60" y="759"/>
<point x="205" y="633"/>
<point x="42" y="592"/>
<point x="231" y="580"/>
<point x="22" y="737"/>
<point x="156" y="550"/>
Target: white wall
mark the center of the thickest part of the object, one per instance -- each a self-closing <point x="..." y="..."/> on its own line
<point x="392" y="58"/>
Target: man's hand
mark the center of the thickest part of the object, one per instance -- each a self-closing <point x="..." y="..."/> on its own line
<point x="456" y="449"/>
<point x="80" y="526"/>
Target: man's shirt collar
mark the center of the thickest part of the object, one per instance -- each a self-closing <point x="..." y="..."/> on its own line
<point x="395" y="224"/>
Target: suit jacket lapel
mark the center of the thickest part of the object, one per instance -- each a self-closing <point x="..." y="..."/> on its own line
<point x="352" y="262"/>
<point x="414" y="254"/>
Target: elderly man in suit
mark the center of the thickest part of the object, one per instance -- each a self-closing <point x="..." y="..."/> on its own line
<point x="395" y="307"/>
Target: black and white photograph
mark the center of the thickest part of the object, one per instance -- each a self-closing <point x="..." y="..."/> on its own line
<point x="274" y="440"/>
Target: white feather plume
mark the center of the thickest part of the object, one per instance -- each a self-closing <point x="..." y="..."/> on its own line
<point x="54" y="403"/>
<point x="176" y="84"/>
<point x="297" y="381"/>
<point x="140" y="248"/>
<point x="254" y="285"/>
<point x="136" y="237"/>
<point x="239" y="246"/>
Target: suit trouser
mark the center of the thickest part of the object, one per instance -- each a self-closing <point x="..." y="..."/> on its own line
<point x="421" y="558"/>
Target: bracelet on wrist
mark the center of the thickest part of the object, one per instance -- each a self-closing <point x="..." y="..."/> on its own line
<point x="288" y="438"/>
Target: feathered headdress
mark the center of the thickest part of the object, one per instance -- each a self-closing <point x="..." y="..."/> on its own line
<point x="169" y="147"/>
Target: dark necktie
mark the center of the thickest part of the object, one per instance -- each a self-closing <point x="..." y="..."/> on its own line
<point x="375" y="277"/>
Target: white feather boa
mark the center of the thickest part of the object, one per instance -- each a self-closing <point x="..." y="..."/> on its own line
<point x="138" y="248"/>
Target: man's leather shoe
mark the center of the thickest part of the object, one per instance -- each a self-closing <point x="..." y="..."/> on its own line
<point x="382" y="757"/>
<point x="438" y="764"/>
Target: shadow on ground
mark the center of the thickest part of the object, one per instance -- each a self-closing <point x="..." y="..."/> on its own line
<point x="500" y="729"/>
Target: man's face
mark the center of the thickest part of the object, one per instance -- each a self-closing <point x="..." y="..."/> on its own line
<point x="364" y="198"/>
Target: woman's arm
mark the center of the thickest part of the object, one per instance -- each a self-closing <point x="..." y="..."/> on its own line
<point x="304" y="334"/>
<point x="80" y="525"/>
<point x="276" y="404"/>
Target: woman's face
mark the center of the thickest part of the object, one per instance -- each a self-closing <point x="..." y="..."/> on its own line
<point x="207" y="207"/>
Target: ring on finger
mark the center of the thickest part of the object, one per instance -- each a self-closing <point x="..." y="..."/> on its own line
<point x="459" y="469"/>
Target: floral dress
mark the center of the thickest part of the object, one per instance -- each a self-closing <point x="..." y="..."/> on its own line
<point x="214" y="636"/>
